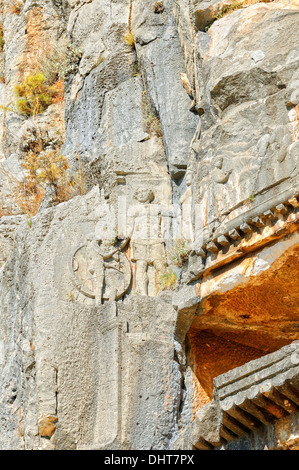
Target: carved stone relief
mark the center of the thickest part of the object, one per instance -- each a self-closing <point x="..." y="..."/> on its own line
<point x="278" y="158"/>
<point x="99" y="270"/>
<point x="147" y="244"/>
<point x="226" y="185"/>
<point x="212" y="194"/>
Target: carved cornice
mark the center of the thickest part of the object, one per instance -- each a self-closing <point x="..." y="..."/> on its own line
<point x="248" y="397"/>
<point x="246" y="235"/>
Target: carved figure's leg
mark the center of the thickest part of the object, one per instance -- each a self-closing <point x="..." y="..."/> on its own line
<point x="141" y="277"/>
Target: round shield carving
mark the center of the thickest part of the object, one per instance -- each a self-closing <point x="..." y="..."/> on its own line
<point x="115" y="270"/>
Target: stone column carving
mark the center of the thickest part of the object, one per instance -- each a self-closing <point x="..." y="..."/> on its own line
<point x="108" y="416"/>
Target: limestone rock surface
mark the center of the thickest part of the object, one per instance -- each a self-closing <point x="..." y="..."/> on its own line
<point x="158" y="249"/>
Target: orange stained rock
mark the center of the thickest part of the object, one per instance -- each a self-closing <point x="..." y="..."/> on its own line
<point x="46" y="426"/>
<point x="212" y="354"/>
<point x="36" y="42"/>
<point x="251" y="319"/>
<point x="269" y="300"/>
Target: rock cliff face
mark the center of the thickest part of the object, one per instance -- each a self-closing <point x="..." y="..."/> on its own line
<point x="149" y="223"/>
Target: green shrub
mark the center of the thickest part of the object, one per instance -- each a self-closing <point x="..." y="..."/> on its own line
<point x="46" y="86"/>
<point x="250" y="199"/>
<point x="151" y="121"/>
<point x="35" y="95"/>
<point x="179" y="253"/>
<point x="167" y="280"/>
<point x="129" y="39"/>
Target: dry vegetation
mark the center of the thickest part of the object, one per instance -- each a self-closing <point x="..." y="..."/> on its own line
<point x="151" y="121"/>
<point x="167" y="281"/>
<point x="14" y="7"/>
<point x="129" y="39"/>
<point x="236" y="5"/>
<point x="179" y="253"/>
<point x="45" y="171"/>
<point x="158" y="7"/>
<point x="35" y="95"/>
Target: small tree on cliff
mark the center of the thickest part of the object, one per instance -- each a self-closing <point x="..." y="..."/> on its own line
<point x="35" y="95"/>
